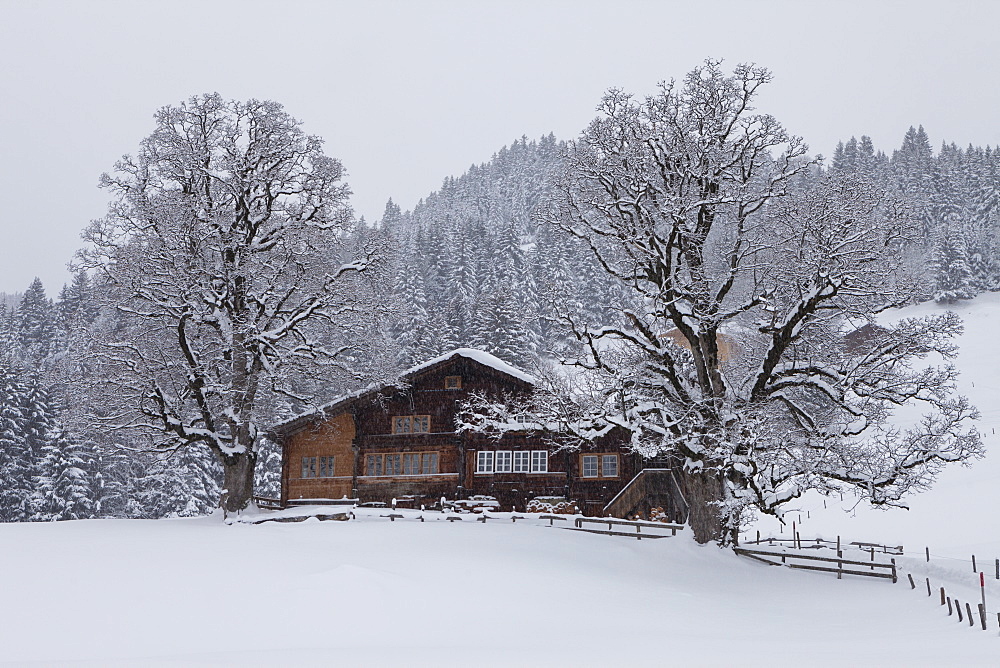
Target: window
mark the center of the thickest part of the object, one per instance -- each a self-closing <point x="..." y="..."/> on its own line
<point x="452" y="382"/>
<point x="401" y="463"/>
<point x="411" y="424"/>
<point x="326" y="467"/>
<point x="609" y="466"/>
<point x="599" y="466"/>
<point x="508" y="461"/>
<point x="308" y="467"/>
<point x="411" y="463"/>
<point x="484" y="461"/>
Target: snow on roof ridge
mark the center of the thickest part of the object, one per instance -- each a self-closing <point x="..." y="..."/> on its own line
<point x="480" y="356"/>
<point x="474" y="354"/>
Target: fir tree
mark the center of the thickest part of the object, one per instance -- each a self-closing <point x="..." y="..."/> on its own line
<point x="64" y="490"/>
<point x="950" y="267"/>
<point x="36" y="322"/>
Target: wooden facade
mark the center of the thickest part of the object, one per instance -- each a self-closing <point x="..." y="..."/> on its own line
<point x="386" y="443"/>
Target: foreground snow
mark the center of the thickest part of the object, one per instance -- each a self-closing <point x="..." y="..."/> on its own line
<point x="373" y="593"/>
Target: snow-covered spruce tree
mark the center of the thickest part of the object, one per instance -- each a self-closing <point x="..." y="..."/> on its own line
<point x="949" y="265"/>
<point x="702" y="209"/>
<point x="36" y="326"/>
<point x="222" y="261"/>
<point x="64" y="490"/>
<point x="16" y="461"/>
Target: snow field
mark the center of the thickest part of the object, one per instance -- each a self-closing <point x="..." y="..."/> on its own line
<point x="373" y="593"/>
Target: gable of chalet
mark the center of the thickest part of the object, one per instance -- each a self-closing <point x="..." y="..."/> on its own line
<point x="476" y="364"/>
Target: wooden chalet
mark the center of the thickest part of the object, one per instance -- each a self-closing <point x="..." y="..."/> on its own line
<point x="388" y="443"/>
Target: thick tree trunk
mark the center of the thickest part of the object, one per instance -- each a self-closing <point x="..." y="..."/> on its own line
<point x="237" y="490"/>
<point x="703" y="491"/>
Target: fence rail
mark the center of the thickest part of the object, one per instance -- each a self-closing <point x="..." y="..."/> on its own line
<point x="763" y="555"/>
<point x="267" y="503"/>
<point x="611" y="522"/>
<point x="816" y="543"/>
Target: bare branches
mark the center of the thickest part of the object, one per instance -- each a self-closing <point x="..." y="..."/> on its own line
<point x="748" y="271"/>
<point x="228" y="232"/>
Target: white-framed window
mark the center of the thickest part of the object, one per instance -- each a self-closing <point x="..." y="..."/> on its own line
<point x="522" y="461"/>
<point x="539" y="461"/>
<point x="411" y="424"/>
<point x="503" y="461"/>
<point x="309" y="467"/>
<point x="599" y="466"/>
<point x="484" y="461"/>
<point x="609" y="466"/>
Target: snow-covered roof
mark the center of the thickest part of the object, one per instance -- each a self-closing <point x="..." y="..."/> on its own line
<point x="480" y="356"/>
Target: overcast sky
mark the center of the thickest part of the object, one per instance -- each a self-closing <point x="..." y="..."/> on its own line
<point x="407" y="93"/>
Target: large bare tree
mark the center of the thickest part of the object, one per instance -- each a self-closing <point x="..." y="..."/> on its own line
<point x="745" y="271"/>
<point x="224" y="263"/>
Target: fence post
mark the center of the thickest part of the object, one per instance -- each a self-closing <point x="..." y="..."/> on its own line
<point x="982" y="615"/>
<point x="894" y="573"/>
<point x="840" y="565"/>
<point x="949" y="605"/>
<point x="968" y="612"/>
<point x="998" y="569"/>
<point x="928" y="586"/>
<point x="942" y="596"/>
<point x="910" y="576"/>
<point x="974" y="569"/>
<point x="927" y="550"/>
<point x="958" y="609"/>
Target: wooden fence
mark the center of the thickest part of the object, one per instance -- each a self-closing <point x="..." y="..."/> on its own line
<point x="799" y="543"/>
<point x="611" y="522"/>
<point x="875" y="569"/>
<point x="267" y="503"/>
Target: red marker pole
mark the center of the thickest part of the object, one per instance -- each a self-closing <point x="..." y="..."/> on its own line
<point x="982" y="588"/>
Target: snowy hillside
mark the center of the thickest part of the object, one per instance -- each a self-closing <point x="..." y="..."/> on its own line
<point x="371" y="592"/>
<point x="957" y="517"/>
